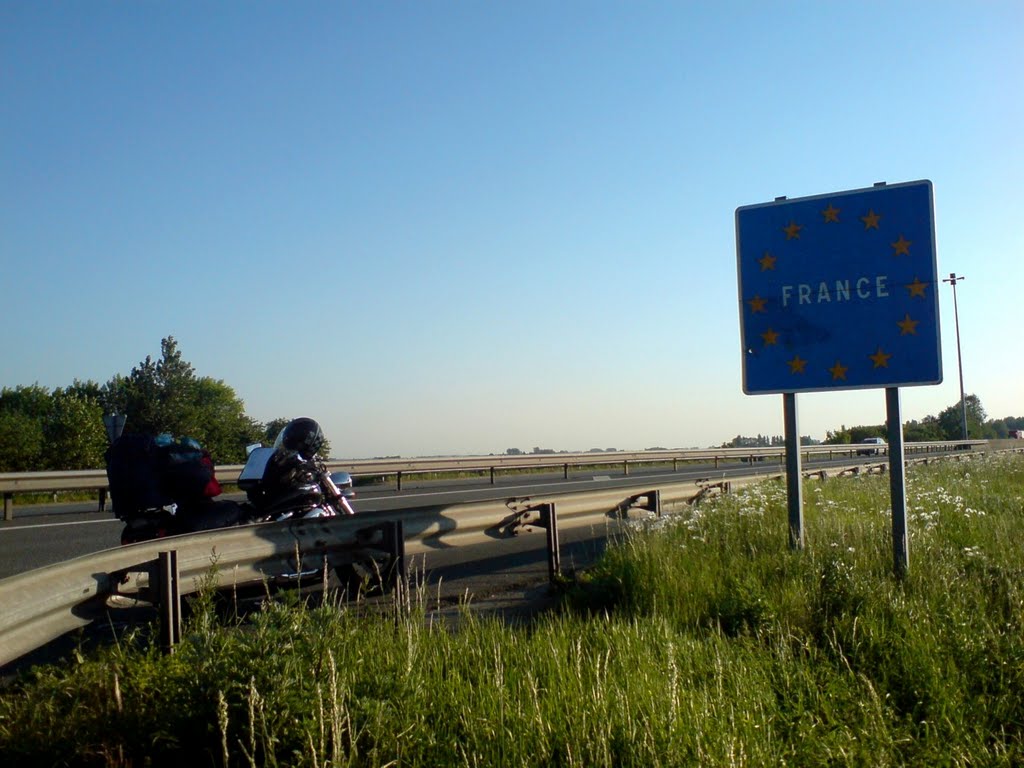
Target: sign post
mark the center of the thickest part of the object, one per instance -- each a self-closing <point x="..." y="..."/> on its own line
<point x="838" y="292"/>
<point x="897" y="482"/>
<point x="794" y="475"/>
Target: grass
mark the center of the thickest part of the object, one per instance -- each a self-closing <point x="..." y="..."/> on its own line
<point x="699" y="639"/>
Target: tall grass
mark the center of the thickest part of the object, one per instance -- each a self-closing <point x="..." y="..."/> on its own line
<point x="697" y="640"/>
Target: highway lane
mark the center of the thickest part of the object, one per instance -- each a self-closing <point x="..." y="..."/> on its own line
<point x="49" y="534"/>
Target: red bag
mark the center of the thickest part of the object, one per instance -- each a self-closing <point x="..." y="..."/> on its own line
<point x="212" y="487"/>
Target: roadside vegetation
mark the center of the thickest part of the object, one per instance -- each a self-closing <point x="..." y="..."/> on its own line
<point x="63" y="429"/>
<point x="699" y="639"/>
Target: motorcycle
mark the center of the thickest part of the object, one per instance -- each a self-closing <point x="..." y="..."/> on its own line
<point x="164" y="488"/>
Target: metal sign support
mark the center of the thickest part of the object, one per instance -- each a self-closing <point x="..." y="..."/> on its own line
<point x="794" y="475"/>
<point x="897" y="483"/>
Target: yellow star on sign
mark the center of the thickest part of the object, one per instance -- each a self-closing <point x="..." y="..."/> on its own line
<point x="757" y="304"/>
<point x="908" y="326"/>
<point x="871" y="220"/>
<point x="880" y="359"/>
<point x="838" y="371"/>
<point x="831" y="214"/>
<point x="767" y="262"/>
<point x="916" y="288"/>
<point x="796" y="365"/>
<point x="792" y="231"/>
<point x="902" y="246"/>
<point x="770" y="337"/>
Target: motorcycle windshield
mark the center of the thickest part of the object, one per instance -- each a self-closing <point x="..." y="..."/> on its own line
<point x="255" y="465"/>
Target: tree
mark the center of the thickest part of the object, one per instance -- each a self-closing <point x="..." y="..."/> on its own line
<point x="761" y="441"/>
<point x="1001" y="427"/>
<point x="21" y="442"/>
<point x="846" y="435"/>
<point x="59" y="430"/>
<point x="219" y="422"/>
<point x="166" y="396"/>
<point x="924" y="431"/>
<point x="951" y="420"/>
<point x="23" y="410"/>
<point x="156" y="394"/>
<point x="32" y="401"/>
<point x="839" y="436"/>
<point x="74" y="435"/>
<point x="946" y="426"/>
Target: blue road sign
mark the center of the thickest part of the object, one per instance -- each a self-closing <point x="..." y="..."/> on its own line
<point x="839" y="291"/>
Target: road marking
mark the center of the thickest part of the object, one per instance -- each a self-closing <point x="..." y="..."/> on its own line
<point x="54" y="525"/>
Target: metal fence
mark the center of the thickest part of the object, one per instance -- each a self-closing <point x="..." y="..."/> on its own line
<point x="95" y="480"/>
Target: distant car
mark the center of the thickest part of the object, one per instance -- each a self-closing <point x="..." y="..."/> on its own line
<point x="877" y="446"/>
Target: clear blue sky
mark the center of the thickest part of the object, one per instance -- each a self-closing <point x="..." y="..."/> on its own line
<point x="449" y="227"/>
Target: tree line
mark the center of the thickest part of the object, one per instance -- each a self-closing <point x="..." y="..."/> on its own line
<point x="765" y="441"/>
<point x="948" y="425"/>
<point x="63" y="428"/>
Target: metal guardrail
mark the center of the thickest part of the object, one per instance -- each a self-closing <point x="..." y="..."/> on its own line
<point x="43" y="604"/>
<point x="96" y="479"/>
<point x="39" y="606"/>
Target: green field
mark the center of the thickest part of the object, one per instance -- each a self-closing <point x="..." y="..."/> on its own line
<point x="699" y="639"/>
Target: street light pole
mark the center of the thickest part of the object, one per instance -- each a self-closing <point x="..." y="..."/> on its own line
<point x="952" y="280"/>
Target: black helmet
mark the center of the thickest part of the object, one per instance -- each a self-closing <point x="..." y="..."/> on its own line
<point x="302" y="436"/>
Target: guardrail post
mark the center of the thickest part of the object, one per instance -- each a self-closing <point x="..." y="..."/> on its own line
<point x="394" y="541"/>
<point x="169" y="596"/>
<point x="625" y="468"/>
<point x="8" y="506"/>
<point x="549" y="518"/>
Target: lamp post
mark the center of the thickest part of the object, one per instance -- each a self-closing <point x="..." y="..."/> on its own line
<point x="952" y="280"/>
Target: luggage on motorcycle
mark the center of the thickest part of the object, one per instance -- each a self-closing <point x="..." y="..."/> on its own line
<point x="186" y="470"/>
<point x="134" y="476"/>
<point x="147" y="474"/>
